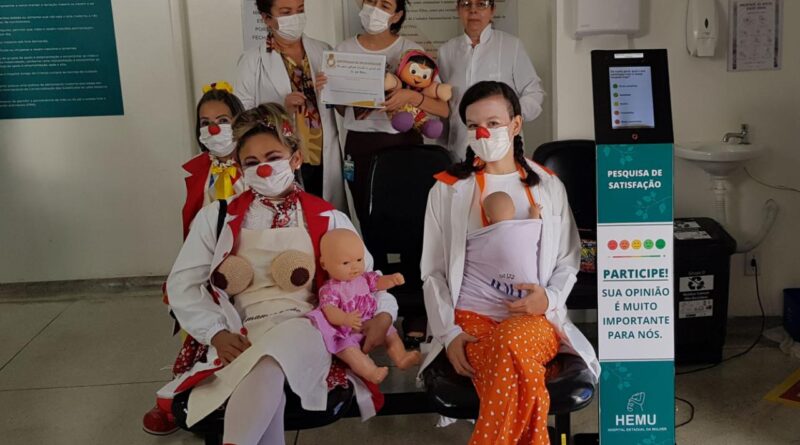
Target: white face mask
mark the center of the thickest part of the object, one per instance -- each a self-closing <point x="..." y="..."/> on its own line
<point x="291" y="27"/>
<point x="492" y="148"/>
<point x="374" y="20"/>
<point x="220" y="144"/>
<point x="279" y="176"/>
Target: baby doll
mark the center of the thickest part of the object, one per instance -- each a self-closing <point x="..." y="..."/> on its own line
<point x="417" y="71"/>
<point x="499" y="207"/>
<point x="500" y="256"/>
<point x="346" y="300"/>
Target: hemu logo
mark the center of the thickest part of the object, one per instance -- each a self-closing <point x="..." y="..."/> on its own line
<point x="637" y="417"/>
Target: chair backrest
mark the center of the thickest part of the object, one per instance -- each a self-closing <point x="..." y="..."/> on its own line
<point x="400" y="179"/>
<point x="574" y="163"/>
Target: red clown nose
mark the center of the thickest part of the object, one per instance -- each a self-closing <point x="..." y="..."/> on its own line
<point x="214" y="129"/>
<point x="482" y="133"/>
<point x="265" y="171"/>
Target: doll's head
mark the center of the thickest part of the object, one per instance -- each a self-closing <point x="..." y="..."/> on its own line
<point x="342" y="254"/>
<point x="499" y="207"/>
<point x="417" y="69"/>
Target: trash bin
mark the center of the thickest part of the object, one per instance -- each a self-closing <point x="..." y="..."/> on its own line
<point x="791" y="312"/>
<point x="703" y="252"/>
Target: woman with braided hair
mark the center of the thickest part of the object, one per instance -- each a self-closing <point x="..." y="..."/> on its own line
<point x="502" y="340"/>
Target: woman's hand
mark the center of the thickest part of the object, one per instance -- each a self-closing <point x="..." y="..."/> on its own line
<point x="374" y="331"/>
<point x="320" y="81"/>
<point x="295" y="102"/>
<point x="229" y="346"/>
<point x="457" y="354"/>
<point x="399" y="98"/>
<point x="534" y="303"/>
<point x="353" y="320"/>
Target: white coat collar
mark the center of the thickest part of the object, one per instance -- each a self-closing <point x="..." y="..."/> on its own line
<point x="486" y="35"/>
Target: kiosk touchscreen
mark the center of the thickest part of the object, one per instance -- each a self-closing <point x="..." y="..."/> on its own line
<point x="633" y="130"/>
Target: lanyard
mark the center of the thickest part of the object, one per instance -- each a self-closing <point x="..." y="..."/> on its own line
<point x="482" y="185"/>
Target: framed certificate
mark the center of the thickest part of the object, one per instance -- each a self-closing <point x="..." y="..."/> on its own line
<point x="354" y="79"/>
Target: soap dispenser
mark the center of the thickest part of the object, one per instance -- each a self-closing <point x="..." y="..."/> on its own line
<point x="701" y="28"/>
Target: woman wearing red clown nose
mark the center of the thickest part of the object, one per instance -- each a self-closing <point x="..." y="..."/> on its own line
<point x="499" y="339"/>
<point x="259" y="340"/>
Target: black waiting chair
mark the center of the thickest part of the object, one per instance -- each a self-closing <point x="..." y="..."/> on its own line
<point x="574" y="163"/>
<point x="570" y="384"/>
<point x="340" y="402"/>
<point x="400" y="179"/>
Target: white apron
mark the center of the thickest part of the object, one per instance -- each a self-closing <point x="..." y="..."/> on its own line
<point x="275" y="326"/>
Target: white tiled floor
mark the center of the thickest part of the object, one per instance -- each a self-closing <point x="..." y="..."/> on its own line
<point x="84" y="372"/>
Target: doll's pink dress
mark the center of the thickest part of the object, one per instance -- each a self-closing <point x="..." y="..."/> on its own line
<point x="348" y="296"/>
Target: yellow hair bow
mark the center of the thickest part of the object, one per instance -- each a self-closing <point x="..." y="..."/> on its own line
<point x="221" y="85"/>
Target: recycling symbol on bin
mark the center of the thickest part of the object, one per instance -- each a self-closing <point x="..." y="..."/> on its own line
<point x="697" y="283"/>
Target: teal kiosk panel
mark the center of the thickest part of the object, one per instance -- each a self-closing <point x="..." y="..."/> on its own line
<point x="633" y="130"/>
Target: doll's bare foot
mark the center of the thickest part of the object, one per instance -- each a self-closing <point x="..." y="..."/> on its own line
<point x="409" y="359"/>
<point x="378" y="375"/>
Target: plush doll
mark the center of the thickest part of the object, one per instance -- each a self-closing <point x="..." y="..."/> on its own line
<point x="417" y="71"/>
<point x="291" y="270"/>
<point x="347" y="300"/>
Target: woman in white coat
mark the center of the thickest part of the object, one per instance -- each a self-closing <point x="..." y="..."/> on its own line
<point x="282" y="70"/>
<point x="535" y="326"/>
<point x="484" y="53"/>
<point x="260" y="339"/>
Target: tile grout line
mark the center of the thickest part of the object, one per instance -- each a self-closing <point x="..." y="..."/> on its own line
<point x="100" y="385"/>
<point x="34" y="337"/>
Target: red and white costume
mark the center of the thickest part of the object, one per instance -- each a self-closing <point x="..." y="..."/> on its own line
<point x="275" y="323"/>
<point x="202" y="185"/>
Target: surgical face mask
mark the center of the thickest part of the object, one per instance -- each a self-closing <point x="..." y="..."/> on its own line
<point x="269" y="179"/>
<point x="218" y="139"/>
<point x="374" y="20"/>
<point x="291" y="27"/>
<point x="489" y="144"/>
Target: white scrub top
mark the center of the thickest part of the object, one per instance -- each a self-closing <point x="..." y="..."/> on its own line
<point x="499" y="56"/>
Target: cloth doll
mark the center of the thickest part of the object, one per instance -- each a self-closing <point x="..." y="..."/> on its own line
<point x="346" y="301"/>
<point x="417" y="71"/>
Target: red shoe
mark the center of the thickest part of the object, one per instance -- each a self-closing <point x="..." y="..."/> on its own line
<point x="159" y="422"/>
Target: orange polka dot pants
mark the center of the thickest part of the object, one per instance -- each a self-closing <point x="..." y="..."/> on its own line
<point x="509" y="360"/>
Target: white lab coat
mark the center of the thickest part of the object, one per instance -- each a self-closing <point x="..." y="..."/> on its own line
<point x="444" y="249"/>
<point x="263" y="78"/>
<point x="500" y="57"/>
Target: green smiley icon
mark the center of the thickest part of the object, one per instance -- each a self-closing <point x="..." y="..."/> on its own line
<point x="661" y="244"/>
<point x="648" y="244"/>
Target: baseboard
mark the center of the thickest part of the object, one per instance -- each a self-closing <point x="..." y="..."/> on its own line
<point x="75" y="289"/>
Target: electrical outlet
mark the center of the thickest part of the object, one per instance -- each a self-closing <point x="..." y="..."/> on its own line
<point x="749" y="257"/>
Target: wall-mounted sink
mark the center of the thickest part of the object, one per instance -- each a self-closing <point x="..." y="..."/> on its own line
<point x="718" y="158"/>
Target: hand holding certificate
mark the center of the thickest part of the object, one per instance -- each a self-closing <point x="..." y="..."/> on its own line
<point x="353" y="79"/>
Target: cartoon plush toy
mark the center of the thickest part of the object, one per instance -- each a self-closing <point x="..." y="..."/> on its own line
<point x="292" y="270"/>
<point x="417" y="72"/>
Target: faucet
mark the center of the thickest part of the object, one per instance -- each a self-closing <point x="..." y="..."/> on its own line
<point x="741" y="136"/>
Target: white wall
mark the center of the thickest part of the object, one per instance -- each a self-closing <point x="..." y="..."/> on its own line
<point x="707" y="102"/>
<point x="99" y="197"/>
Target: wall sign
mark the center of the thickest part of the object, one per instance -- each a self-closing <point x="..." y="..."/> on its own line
<point x="58" y="59"/>
<point x="635" y="248"/>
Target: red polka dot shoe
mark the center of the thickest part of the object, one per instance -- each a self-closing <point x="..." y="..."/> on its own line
<point x="158" y="422"/>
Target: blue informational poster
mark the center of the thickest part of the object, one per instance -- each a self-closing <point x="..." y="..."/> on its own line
<point x="58" y="59"/>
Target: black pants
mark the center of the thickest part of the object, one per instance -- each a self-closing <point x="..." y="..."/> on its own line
<point x="361" y="147"/>
<point x="312" y="179"/>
